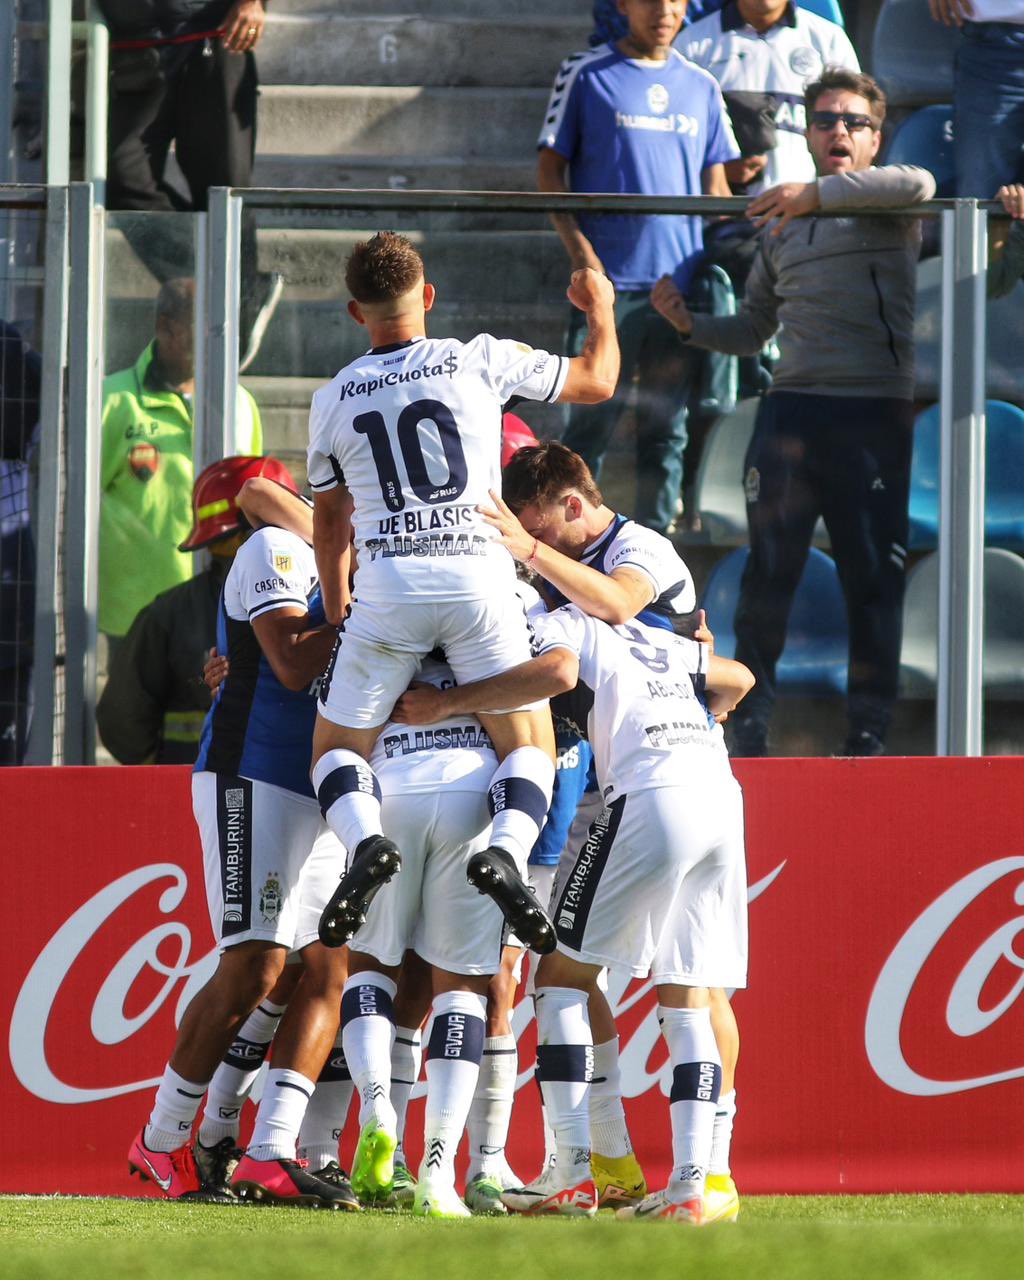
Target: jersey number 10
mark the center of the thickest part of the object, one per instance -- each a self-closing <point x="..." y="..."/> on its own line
<point x="373" y="426"/>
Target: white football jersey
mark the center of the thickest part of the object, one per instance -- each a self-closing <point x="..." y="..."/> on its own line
<point x="781" y="61"/>
<point x="273" y="568"/>
<point x="414" y="432"/>
<point x="628" y="544"/>
<point x="454" y="753"/>
<point x="637" y="702"/>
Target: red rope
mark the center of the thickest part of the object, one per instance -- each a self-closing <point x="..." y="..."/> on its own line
<point x="162" y="40"/>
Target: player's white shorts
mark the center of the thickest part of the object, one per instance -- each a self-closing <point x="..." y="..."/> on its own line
<point x="380" y="649"/>
<point x="430" y="906"/>
<point x="660" y="888"/>
<point x="271" y="862"/>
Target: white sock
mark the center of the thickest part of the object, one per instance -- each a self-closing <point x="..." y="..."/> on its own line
<point x="368" y="1033"/>
<point x="280" y="1115"/>
<point x="406" y="1059"/>
<point x="696" y="1081"/>
<point x="491" y="1112"/>
<point x="327" y="1111"/>
<point x="349" y="795"/>
<point x="721" y="1137"/>
<point x="453" y="1064"/>
<point x="609" y="1135"/>
<point x="236" y="1073"/>
<point x="174" y="1111"/>
<point x="519" y="797"/>
<point x="550" y="1145"/>
<point x="565" y="1065"/>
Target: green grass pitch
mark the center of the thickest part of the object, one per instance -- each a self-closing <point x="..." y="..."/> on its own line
<point x="804" y="1237"/>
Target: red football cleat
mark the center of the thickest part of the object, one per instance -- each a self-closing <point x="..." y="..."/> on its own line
<point x="173" y="1172"/>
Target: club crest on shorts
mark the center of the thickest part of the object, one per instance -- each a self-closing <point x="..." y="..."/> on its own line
<point x="270" y="898"/>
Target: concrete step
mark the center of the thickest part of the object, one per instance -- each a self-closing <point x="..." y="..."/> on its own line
<point x="399" y="173"/>
<point x="416" y="49"/>
<point x="359" y="121"/>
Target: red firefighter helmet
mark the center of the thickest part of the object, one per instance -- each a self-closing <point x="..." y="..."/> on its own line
<point x="515" y="435"/>
<point x="215" y="513"/>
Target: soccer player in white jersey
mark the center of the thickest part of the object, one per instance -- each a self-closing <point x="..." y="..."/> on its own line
<point x="659" y="887"/>
<point x="552" y="517"/>
<point x="410" y="433"/>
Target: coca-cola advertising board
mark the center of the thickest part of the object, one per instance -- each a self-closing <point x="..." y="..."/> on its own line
<point x="882" y="1030"/>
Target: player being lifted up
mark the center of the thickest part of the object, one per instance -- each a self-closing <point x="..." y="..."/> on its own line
<point x="410" y="432"/>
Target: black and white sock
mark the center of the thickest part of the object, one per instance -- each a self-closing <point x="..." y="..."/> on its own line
<point x="368" y="1033"/>
<point x="235" y="1076"/>
<point x="519" y="797"/>
<point x="325" y="1116"/>
<point x="565" y="1067"/>
<point x="349" y="796"/>
<point x="406" y="1059"/>
<point x="453" y="1064"/>
<point x="693" y="1101"/>
<point x="279" y="1117"/>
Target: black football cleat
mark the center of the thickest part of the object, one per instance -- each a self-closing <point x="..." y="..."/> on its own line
<point x="215" y="1166"/>
<point x="494" y="873"/>
<point x="374" y="862"/>
<point x="335" y="1176"/>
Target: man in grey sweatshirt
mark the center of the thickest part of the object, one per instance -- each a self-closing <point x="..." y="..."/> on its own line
<point x="834" y="436"/>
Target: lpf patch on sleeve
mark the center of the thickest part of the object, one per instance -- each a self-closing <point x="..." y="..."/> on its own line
<point x="283" y="564"/>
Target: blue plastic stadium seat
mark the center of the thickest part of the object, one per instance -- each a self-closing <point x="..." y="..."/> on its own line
<point x="926" y="139"/>
<point x="1003" y="644"/>
<point x="1004" y="477"/>
<point x="911" y="55"/>
<point x="825" y="9"/>
<point x="817" y="641"/>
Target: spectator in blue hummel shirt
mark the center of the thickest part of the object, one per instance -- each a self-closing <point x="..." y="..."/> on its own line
<point x="636" y="117"/>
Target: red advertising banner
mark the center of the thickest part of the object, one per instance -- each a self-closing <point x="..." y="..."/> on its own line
<point x="882" y="1031"/>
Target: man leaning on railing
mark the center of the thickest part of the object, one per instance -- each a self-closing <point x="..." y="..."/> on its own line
<point x="834" y="436"/>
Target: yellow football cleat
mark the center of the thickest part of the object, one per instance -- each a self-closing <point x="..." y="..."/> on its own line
<point x="619" y="1181"/>
<point x="721" y="1199"/>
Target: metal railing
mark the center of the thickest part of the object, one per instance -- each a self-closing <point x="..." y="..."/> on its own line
<point x="74" y="323"/>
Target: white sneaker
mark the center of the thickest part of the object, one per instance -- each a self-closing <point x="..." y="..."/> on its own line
<point x="552" y="1193"/>
<point x="437" y="1200"/>
<point x="658" y="1205"/>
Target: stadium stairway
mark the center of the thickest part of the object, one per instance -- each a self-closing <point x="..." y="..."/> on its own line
<point x="447" y="94"/>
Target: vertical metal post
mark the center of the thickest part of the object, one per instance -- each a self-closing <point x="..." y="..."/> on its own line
<point x="962" y="482"/>
<point x="47" y="509"/>
<point x="85" y="376"/>
<point x="217" y="327"/>
<point x="96" y="77"/>
<point x="58" y="93"/>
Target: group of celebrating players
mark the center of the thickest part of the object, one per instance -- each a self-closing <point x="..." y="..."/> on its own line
<point x="446" y="686"/>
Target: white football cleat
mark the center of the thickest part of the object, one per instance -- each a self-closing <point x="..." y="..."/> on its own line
<point x="437" y="1200"/>
<point x="659" y="1207"/>
<point x="551" y="1194"/>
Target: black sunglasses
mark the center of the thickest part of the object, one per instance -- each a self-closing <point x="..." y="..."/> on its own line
<point x="852" y="123"/>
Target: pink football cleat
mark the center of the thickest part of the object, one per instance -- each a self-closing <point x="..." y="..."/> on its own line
<point x="173" y="1172"/>
<point x="289" y="1182"/>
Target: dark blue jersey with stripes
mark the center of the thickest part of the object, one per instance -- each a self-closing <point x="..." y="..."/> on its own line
<point x="256" y="727"/>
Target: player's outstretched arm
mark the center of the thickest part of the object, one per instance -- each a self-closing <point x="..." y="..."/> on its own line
<point x="614" y="597"/>
<point x="266" y="502"/>
<point x="332" y="545"/>
<point x="297" y="655"/>
<point x="594" y="374"/>
<point x="726" y="685"/>
<point x="552" y="673"/>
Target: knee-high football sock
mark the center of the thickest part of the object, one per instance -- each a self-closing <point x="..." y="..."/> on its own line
<point x="519" y="797"/>
<point x="233" y="1080"/>
<point x="565" y="1066"/>
<point x="453" y="1063"/>
<point x="327" y="1111"/>
<point x="491" y="1112"/>
<point x="406" y="1059"/>
<point x="696" y="1082"/>
<point x="349" y="795"/>
<point x="368" y="1032"/>
<point x="608" y="1132"/>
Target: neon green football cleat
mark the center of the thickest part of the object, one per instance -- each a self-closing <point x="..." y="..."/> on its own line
<point x="438" y="1201"/>
<point x="373" y="1169"/>
<point x="721" y="1199"/>
<point x="483" y="1196"/>
<point x="620" y="1181"/>
<point x="403" y="1187"/>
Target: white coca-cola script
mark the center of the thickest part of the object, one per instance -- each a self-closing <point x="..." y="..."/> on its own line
<point x="964" y="1013"/>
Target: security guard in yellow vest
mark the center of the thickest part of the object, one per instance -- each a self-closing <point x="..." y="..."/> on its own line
<point x="147" y="471"/>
